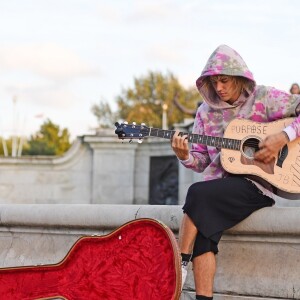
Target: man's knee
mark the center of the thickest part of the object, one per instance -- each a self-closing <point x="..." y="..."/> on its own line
<point x="203" y="245"/>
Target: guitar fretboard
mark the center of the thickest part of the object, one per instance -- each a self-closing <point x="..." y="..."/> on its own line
<point x="208" y="140"/>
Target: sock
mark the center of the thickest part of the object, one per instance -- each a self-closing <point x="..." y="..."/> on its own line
<point x="200" y="297"/>
<point x="185" y="259"/>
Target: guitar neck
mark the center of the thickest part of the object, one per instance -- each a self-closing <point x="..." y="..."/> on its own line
<point x="208" y="140"/>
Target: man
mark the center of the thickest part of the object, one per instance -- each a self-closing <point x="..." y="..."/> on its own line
<point x="295" y="89"/>
<point x="222" y="200"/>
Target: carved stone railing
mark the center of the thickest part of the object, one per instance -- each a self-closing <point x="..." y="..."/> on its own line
<point x="258" y="259"/>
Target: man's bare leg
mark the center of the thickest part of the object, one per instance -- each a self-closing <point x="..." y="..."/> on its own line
<point x="204" y="265"/>
<point x="204" y="272"/>
<point x="187" y="235"/>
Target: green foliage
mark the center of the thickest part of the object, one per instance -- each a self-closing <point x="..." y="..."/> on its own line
<point x="143" y="103"/>
<point x="104" y="114"/>
<point x="49" y="140"/>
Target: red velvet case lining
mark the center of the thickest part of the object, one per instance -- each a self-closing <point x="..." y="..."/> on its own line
<point x="139" y="260"/>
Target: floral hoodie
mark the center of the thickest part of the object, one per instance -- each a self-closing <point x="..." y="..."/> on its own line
<point x="262" y="104"/>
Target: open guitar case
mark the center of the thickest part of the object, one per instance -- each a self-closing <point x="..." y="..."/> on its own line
<point x="138" y="261"/>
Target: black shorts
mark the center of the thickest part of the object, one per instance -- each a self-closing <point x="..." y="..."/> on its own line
<point x="217" y="205"/>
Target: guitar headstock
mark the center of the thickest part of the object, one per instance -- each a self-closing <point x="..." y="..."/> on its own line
<point x="131" y="131"/>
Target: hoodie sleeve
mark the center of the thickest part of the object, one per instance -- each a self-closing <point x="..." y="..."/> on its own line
<point x="283" y="105"/>
<point x="199" y="158"/>
<point x="295" y="125"/>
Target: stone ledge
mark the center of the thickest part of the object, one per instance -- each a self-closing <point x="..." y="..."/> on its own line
<point x="267" y="221"/>
<point x="258" y="258"/>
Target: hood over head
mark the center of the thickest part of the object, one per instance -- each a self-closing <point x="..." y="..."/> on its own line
<point x="223" y="61"/>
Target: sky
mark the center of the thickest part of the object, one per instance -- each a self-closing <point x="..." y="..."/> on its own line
<point x="59" y="57"/>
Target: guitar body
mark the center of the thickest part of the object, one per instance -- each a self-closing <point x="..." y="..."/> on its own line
<point x="283" y="172"/>
<point x="139" y="261"/>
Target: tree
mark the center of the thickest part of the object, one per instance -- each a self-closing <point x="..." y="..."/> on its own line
<point x="104" y="114"/>
<point x="145" y="101"/>
<point x="49" y="140"/>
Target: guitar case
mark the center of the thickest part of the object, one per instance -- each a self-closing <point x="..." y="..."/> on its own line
<point x="138" y="261"/>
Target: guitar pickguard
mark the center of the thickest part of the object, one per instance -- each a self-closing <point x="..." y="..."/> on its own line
<point x="282" y="156"/>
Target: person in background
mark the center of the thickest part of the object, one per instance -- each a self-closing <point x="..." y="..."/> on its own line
<point x="222" y="200"/>
<point x="295" y="89"/>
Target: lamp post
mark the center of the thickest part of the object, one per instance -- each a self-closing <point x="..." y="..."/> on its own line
<point x="164" y="107"/>
<point x="14" y="136"/>
<point x="164" y="116"/>
<point x="5" y="151"/>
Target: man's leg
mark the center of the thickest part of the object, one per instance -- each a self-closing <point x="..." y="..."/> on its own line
<point x="204" y="265"/>
<point x="187" y="235"/>
<point x="204" y="272"/>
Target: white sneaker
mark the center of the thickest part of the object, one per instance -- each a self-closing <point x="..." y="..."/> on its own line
<point x="183" y="275"/>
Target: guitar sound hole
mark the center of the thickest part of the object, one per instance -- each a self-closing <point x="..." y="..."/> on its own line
<point x="250" y="146"/>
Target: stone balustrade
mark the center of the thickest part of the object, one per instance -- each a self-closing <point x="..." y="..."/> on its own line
<point x="258" y="259"/>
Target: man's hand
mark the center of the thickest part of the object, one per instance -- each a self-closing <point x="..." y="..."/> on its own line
<point x="270" y="147"/>
<point x="180" y="146"/>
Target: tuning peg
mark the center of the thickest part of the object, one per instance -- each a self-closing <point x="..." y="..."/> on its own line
<point x="133" y="123"/>
<point x="140" y="141"/>
<point x="143" y="124"/>
<point x="125" y="122"/>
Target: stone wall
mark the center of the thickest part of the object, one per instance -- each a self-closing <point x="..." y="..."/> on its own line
<point x="258" y="259"/>
<point x="64" y="179"/>
<point x="96" y="170"/>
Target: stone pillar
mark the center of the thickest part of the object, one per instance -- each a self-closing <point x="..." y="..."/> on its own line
<point x="112" y="170"/>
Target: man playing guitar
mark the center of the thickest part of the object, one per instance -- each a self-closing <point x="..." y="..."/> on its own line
<point x="222" y="199"/>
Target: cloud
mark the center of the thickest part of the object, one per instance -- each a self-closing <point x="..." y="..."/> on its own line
<point x="255" y="12"/>
<point x="48" y="60"/>
<point x="109" y="12"/>
<point x="45" y="96"/>
<point x="166" y="54"/>
<point x="149" y="12"/>
<point x="136" y="11"/>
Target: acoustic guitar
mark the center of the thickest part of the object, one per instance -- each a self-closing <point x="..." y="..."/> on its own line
<point x="238" y="146"/>
<point x="138" y="261"/>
